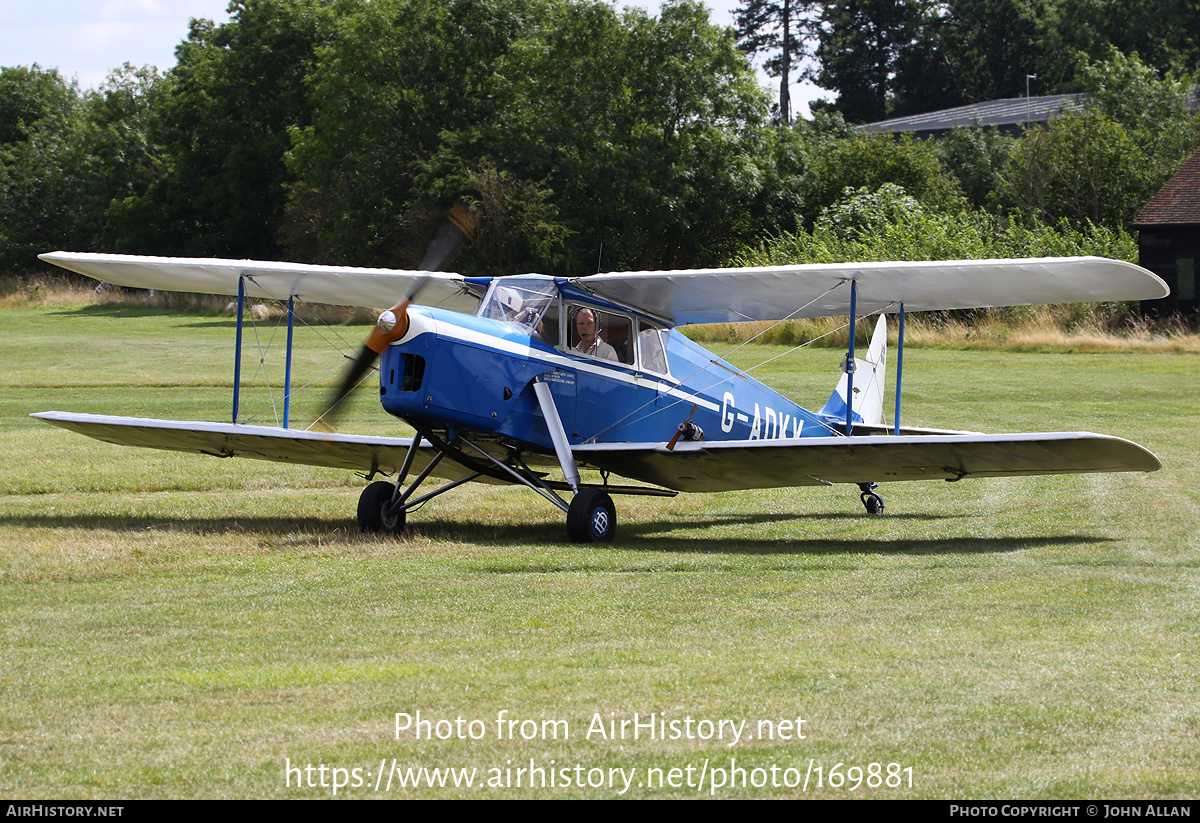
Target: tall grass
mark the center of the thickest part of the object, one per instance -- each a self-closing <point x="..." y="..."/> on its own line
<point x="1065" y="329"/>
<point x="65" y="291"/>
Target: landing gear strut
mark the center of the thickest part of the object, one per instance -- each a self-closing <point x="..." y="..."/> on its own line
<point x="872" y="501"/>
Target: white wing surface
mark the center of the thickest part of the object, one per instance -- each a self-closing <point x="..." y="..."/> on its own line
<point x="335" y="451"/>
<point x="335" y="285"/>
<point x="809" y="461"/>
<point x="779" y="292"/>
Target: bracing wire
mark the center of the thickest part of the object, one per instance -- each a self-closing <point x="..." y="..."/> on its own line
<point x="625" y="421"/>
<point x="324" y="332"/>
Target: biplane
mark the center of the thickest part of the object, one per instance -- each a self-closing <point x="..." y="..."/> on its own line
<point x="531" y="379"/>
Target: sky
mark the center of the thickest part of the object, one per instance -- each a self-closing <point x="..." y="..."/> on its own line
<point x="85" y="39"/>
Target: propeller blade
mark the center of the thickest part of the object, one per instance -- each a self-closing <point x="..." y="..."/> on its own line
<point x="390" y="327"/>
<point x="451" y="235"/>
<point x="684" y="429"/>
<point x="358" y="367"/>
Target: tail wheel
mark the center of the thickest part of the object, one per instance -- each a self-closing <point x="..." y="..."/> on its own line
<point x="872" y="502"/>
<point x="591" y="517"/>
<point x="373" y="503"/>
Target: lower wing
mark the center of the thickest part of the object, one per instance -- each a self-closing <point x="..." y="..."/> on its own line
<point x="809" y="461"/>
<point x="692" y="467"/>
<point x="336" y="451"/>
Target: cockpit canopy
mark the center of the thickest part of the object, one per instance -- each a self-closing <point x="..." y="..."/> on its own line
<point x="534" y="303"/>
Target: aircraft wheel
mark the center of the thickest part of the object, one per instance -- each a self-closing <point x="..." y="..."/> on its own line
<point x="372" y="505"/>
<point x="591" y="518"/>
<point x="873" y="502"/>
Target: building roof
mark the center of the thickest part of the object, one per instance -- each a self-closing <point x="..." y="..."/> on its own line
<point x="1178" y="202"/>
<point x="1013" y="111"/>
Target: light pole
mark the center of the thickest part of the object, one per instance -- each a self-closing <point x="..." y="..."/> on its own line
<point x="1028" y="77"/>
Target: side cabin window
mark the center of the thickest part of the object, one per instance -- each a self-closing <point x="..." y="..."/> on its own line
<point x="651" y="349"/>
<point x="524" y="301"/>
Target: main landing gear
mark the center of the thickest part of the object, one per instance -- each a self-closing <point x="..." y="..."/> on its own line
<point x="383" y="506"/>
<point x="591" y="515"/>
<point x="872" y="501"/>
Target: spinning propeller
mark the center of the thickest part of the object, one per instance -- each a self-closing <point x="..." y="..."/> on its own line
<point x="452" y="234"/>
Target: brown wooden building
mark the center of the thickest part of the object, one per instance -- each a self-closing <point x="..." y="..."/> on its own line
<point x="1168" y="230"/>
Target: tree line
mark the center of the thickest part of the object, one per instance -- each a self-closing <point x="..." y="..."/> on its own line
<point x="582" y="137"/>
<point x="891" y="58"/>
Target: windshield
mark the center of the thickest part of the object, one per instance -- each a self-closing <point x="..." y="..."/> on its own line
<point x="518" y="300"/>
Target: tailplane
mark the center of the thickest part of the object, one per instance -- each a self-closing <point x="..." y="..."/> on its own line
<point x="869" y="378"/>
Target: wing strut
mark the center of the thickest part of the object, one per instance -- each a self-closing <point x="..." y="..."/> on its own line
<point x="237" y="362"/>
<point x="287" y="369"/>
<point x="237" y="354"/>
<point x="899" y="368"/>
<point x="850" y="361"/>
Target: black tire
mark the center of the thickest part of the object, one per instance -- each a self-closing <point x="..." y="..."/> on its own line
<point x="592" y="517"/>
<point x="371" y="506"/>
<point x="873" y="503"/>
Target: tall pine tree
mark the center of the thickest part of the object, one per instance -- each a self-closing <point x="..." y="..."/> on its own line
<point x="774" y="26"/>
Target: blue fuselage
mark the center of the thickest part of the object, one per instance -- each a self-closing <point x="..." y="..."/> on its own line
<point x="474" y="374"/>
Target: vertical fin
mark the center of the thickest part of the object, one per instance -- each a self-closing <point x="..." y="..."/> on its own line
<point x="870" y="375"/>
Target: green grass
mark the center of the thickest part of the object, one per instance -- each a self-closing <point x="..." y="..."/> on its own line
<point x="179" y="626"/>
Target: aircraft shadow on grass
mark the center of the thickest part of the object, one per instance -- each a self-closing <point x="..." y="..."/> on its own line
<point x="650" y="535"/>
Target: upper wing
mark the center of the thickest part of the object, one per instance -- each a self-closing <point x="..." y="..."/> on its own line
<point x="809" y="461"/>
<point x="337" y="285"/>
<point x="778" y="292"/>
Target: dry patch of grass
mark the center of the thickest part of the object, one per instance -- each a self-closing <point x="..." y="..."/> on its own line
<point x="1046" y="330"/>
<point x="1112" y="328"/>
<point x="55" y="291"/>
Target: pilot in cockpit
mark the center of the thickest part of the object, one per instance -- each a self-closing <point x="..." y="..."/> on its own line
<point x="589" y="341"/>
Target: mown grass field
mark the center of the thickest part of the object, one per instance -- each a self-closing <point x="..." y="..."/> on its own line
<point x="179" y="626"/>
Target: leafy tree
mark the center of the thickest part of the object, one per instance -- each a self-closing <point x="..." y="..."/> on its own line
<point x="977" y="157"/>
<point x="120" y="153"/>
<point x="862" y="43"/>
<point x="991" y="45"/>
<point x="868" y="161"/>
<point x="1103" y="164"/>
<point x="1155" y="109"/>
<point x="74" y="157"/>
<point x="402" y="92"/>
<point x="1166" y="33"/>
<point x="639" y="138"/>
<point x="1081" y="167"/>
<point x="233" y="96"/>
<point x="38" y="169"/>
<point x="34" y="99"/>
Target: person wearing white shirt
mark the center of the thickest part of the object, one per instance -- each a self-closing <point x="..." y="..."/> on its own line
<point x="589" y="342"/>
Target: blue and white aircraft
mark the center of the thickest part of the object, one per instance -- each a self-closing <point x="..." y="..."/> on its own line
<point x="526" y="378"/>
